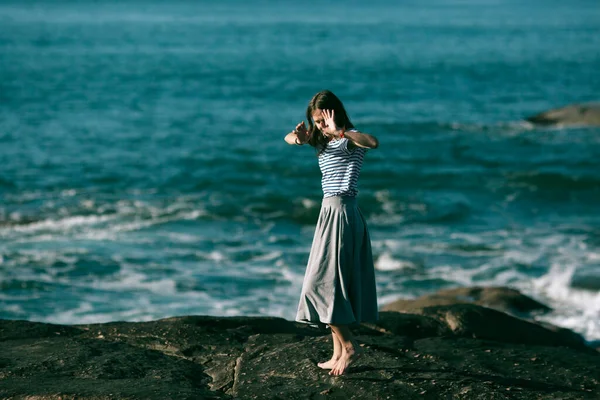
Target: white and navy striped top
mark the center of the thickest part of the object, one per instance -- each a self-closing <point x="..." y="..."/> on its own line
<point x="340" y="168"/>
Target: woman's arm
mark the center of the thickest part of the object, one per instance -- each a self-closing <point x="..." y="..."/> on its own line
<point x="298" y="136"/>
<point x="361" y="139"/>
<point x="292" y="138"/>
<point x="355" y="138"/>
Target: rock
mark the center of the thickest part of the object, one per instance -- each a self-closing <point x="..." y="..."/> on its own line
<point x="81" y="367"/>
<point x="452" y="351"/>
<point x="500" y="298"/>
<point x="575" y="114"/>
<point x="471" y="320"/>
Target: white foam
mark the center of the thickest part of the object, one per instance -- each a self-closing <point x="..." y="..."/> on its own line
<point x="575" y="309"/>
<point x="57" y="224"/>
<point x="68" y="193"/>
<point x="391" y="214"/>
<point x="591" y="256"/>
<point x="14" y="308"/>
<point x="471" y="277"/>
<point x="46" y="257"/>
<point x="105" y="224"/>
<point x="270" y="256"/>
<point x="214" y="255"/>
<point x="26" y="196"/>
<point x="522" y="257"/>
<point x="129" y="280"/>
<point x="385" y="262"/>
<point x="140" y="310"/>
<point x="308" y="203"/>
<point x="386" y="219"/>
<point x="140" y="224"/>
<point x="390" y="298"/>
<point x="183" y="237"/>
<point x="391" y="244"/>
<point x="81" y="313"/>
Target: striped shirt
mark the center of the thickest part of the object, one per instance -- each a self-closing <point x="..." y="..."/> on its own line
<point x="340" y="168"/>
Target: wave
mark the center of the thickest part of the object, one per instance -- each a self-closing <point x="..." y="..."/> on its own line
<point x="574" y="308"/>
<point x="100" y="221"/>
<point x="103" y="220"/>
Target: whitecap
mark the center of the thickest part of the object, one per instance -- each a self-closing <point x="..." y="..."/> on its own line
<point x="309" y="204"/>
<point x="386" y="262"/>
<point x="214" y="255"/>
<point x="575" y="309"/>
<point x="58" y="224"/>
<point x="269" y="256"/>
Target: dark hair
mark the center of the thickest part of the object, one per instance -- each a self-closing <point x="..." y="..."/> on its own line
<point x="325" y="100"/>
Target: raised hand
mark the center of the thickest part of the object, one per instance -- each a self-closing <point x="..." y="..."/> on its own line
<point x="331" y="129"/>
<point x="301" y="132"/>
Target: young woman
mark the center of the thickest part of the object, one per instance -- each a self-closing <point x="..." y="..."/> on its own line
<point x="339" y="285"/>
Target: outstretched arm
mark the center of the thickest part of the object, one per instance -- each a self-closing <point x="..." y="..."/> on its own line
<point x="355" y="138"/>
<point x="298" y="136"/>
<point x="291" y="138"/>
<point x="361" y="139"/>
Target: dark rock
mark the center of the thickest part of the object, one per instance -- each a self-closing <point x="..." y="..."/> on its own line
<point x="460" y="351"/>
<point x="575" y="114"/>
<point x="500" y="298"/>
<point x="11" y="329"/>
<point x="47" y="368"/>
<point x="414" y="326"/>
<point x="479" y="322"/>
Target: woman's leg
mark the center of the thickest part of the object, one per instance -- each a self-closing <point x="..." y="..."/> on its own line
<point x="350" y="349"/>
<point x="337" y="353"/>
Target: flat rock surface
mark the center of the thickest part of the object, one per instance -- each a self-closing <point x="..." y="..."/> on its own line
<point x="462" y="351"/>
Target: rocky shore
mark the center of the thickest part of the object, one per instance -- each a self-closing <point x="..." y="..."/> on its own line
<point x="470" y="343"/>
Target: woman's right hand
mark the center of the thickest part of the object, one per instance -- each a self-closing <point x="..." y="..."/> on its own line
<point x="301" y="133"/>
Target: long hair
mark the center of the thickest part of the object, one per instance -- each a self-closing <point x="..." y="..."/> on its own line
<point x="325" y="100"/>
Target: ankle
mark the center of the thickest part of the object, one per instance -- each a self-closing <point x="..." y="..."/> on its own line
<point x="350" y="348"/>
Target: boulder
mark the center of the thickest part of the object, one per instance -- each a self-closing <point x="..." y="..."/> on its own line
<point x="500" y="298"/>
<point x="470" y="320"/>
<point x="574" y="114"/>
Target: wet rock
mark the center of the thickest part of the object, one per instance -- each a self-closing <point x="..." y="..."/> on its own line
<point x="500" y="298"/>
<point x="462" y="351"/>
<point x="471" y="320"/>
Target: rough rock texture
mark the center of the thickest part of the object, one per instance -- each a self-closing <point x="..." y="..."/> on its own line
<point x="574" y="114"/>
<point x="504" y="299"/>
<point x="500" y="298"/>
<point x="462" y="351"/>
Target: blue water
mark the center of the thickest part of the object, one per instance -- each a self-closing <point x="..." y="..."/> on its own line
<point x="143" y="171"/>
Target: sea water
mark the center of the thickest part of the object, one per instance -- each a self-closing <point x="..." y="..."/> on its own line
<point x="143" y="172"/>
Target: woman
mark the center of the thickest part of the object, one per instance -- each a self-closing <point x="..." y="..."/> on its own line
<point x="339" y="285"/>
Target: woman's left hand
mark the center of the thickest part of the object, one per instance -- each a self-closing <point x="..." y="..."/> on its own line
<point x="331" y="129"/>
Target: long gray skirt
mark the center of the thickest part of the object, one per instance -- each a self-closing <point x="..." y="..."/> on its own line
<point x="339" y="284"/>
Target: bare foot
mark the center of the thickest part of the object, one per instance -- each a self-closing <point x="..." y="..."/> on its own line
<point x="329" y="364"/>
<point x="349" y="356"/>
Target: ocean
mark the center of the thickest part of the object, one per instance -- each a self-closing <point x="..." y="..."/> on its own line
<point x="143" y="172"/>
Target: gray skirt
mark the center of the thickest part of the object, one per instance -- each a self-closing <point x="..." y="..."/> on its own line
<point x="339" y="284"/>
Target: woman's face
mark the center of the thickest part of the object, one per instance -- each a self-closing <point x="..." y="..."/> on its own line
<point x="319" y="119"/>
